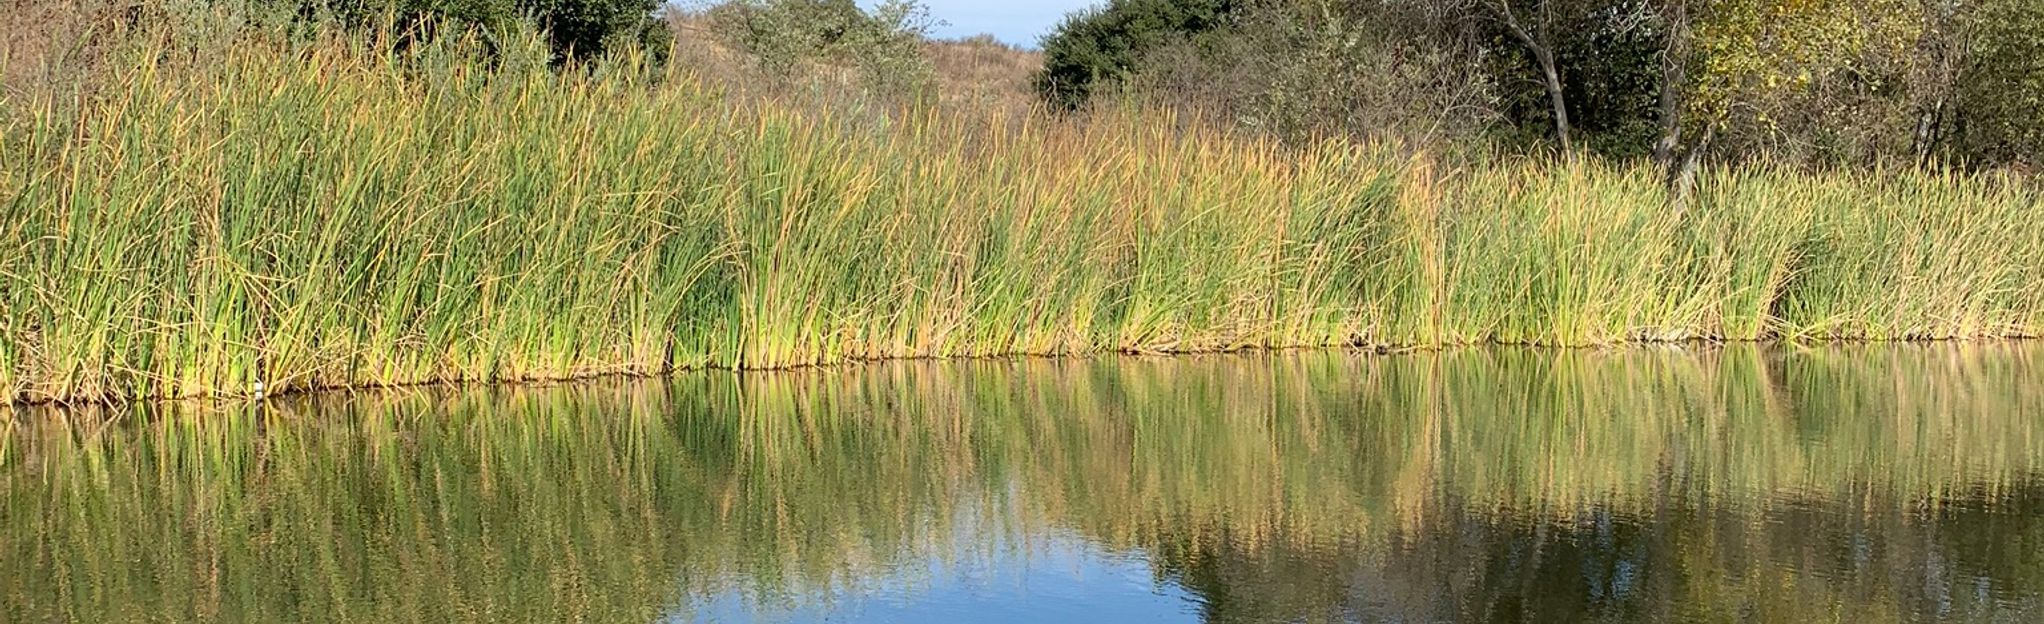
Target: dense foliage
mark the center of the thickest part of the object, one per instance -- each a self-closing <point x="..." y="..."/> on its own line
<point x="1102" y="45"/>
<point x="1829" y="82"/>
<point x="1998" y="108"/>
<point x="332" y="214"/>
<point x="574" y="29"/>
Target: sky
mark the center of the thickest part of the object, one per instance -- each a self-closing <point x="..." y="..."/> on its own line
<point x="1018" y="22"/>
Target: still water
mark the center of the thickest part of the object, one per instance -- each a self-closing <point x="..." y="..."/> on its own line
<point x="1859" y="484"/>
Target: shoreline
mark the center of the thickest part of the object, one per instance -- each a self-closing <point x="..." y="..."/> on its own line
<point x="1694" y="344"/>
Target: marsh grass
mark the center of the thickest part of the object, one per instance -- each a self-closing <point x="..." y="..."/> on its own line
<point x="322" y="213"/>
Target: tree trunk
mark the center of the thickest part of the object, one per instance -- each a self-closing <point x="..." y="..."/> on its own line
<point x="1544" y="56"/>
<point x="1671" y="129"/>
<point x="1682" y="179"/>
<point x="1674" y="70"/>
<point x="1556" y="99"/>
<point x="1925" y="141"/>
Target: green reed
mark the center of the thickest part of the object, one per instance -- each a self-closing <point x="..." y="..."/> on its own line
<point x="311" y="214"/>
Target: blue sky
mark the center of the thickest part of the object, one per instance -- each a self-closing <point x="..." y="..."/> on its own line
<point x="1020" y="22"/>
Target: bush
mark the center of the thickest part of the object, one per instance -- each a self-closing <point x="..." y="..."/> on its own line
<point x="1107" y="45"/>
<point x="2003" y="89"/>
<point x="575" y="29"/>
<point x="1289" y="69"/>
<point x="782" y="38"/>
<point x="586" y="28"/>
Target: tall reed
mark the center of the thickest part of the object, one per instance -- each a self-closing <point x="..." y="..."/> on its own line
<point x="293" y="215"/>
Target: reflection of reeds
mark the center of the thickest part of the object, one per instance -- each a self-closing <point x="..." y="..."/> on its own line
<point x="302" y="215"/>
<point x="612" y="501"/>
<point x="556" y="505"/>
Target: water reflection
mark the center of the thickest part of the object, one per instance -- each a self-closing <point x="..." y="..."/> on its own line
<point x="1880" y="483"/>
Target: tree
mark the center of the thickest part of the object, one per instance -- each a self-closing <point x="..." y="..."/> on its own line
<point x="582" y="29"/>
<point x="1760" y="62"/>
<point x="575" y="29"/>
<point x="1106" y="45"/>
<point x="1815" y="82"/>
<point x="1534" y="28"/>
<point x="2001" y="93"/>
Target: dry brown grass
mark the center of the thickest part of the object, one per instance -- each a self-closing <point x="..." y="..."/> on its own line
<point x="979" y="73"/>
<point x="44" y="43"/>
<point x="982" y="71"/>
<point x="696" y="46"/>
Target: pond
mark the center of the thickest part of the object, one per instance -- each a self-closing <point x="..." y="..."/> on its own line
<point x="1769" y="484"/>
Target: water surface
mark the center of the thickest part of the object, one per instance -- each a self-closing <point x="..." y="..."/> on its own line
<point x="1895" y="483"/>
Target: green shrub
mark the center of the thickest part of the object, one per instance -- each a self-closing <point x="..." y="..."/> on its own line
<point x="1098" y="47"/>
<point x="575" y="29"/>
<point x="2003" y="90"/>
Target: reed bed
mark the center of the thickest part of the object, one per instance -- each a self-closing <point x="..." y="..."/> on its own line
<point x="294" y="215"/>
